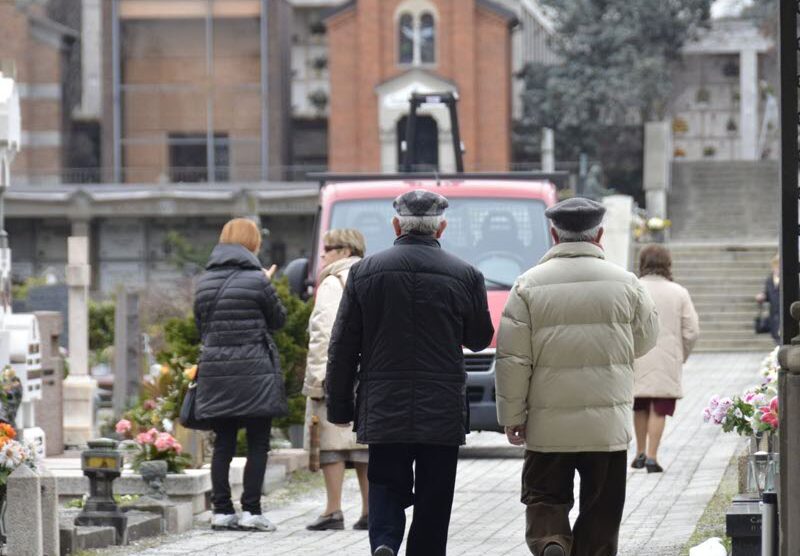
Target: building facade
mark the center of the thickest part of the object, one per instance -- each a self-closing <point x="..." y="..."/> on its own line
<point x="382" y="51"/>
<point x="724" y="100"/>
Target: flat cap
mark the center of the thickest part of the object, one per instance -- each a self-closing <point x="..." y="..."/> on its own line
<point x="420" y="203"/>
<point x="576" y="214"/>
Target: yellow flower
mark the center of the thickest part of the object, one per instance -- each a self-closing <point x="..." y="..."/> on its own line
<point x="164" y="369"/>
<point x="191" y="372"/>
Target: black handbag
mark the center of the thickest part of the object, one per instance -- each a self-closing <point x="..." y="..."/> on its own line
<point x="762" y="323"/>
<point x="187" y="414"/>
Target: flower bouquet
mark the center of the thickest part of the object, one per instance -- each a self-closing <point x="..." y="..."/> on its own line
<point x="153" y="445"/>
<point x="13" y="453"/>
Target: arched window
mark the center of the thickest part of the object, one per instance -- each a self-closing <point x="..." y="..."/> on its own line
<point x="416" y="34"/>
<point x="405" y="33"/>
<point x="427" y="39"/>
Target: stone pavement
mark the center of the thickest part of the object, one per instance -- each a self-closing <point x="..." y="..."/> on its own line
<point x="660" y="512"/>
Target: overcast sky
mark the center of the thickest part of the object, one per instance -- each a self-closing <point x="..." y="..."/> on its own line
<point x="727" y="8"/>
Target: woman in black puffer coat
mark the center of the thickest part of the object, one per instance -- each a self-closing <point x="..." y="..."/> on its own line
<point x="239" y="384"/>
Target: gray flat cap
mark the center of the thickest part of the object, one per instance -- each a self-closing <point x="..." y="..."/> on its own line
<point x="420" y="203"/>
<point x="576" y="214"/>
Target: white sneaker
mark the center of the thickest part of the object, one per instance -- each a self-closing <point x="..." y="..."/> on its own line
<point x="221" y="522"/>
<point x="256" y="523"/>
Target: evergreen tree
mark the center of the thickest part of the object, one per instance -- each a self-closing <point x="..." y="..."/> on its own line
<point x="616" y="58"/>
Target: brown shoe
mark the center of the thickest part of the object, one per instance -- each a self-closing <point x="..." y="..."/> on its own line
<point x="331" y="522"/>
<point x="362" y="524"/>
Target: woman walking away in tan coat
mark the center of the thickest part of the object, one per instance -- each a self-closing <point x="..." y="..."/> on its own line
<point x="657" y="375"/>
<point x="338" y="447"/>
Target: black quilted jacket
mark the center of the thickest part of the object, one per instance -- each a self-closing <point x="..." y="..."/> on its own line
<point x="239" y="373"/>
<point x="403" y="318"/>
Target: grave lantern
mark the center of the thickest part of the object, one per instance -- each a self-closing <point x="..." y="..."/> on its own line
<point x="102" y="463"/>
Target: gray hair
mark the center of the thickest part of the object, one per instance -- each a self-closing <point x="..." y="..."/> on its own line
<point x="566" y="236"/>
<point x="422" y="225"/>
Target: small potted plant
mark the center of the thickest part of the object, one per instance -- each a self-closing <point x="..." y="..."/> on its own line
<point x="319" y="64"/>
<point x="678" y="153"/>
<point x="703" y="95"/>
<point x="731" y="126"/>
<point x="679" y="125"/>
<point x="319" y="100"/>
<point x="709" y="151"/>
<point x="736" y="97"/>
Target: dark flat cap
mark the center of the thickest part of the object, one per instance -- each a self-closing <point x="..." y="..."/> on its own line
<point x="576" y="214"/>
<point x="420" y="203"/>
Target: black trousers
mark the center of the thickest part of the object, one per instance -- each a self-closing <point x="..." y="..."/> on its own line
<point x="258" y="430"/>
<point x="395" y="483"/>
<point x="547" y="486"/>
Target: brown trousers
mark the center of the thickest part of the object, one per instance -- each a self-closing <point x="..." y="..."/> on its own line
<point x="547" y="487"/>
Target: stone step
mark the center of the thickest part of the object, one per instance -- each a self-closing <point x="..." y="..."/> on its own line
<point x="729" y="288"/>
<point x="733" y="316"/>
<point x="734" y="345"/>
<point x="690" y="281"/>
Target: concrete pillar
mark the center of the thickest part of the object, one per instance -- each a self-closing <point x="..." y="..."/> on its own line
<point x="657" y="161"/>
<point x="79" y="387"/>
<point x="51" y="544"/>
<point x="548" y="150"/>
<point x="91" y="59"/>
<point x="748" y="105"/>
<point x="617" y="238"/>
<point x="24" y="513"/>
<point x="127" y="351"/>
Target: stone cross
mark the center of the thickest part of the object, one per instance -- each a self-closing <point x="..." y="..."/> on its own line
<point x="79" y="387"/>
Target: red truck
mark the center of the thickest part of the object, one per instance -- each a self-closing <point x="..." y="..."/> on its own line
<point x="496" y="222"/>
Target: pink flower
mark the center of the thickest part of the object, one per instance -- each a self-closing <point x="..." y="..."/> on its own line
<point x="143" y="438"/>
<point x="706" y="415"/>
<point x="164" y="442"/>
<point x="149" y="405"/>
<point x="177" y="447"/>
<point x="123" y="426"/>
<point x="714" y="401"/>
<point x="769" y="413"/>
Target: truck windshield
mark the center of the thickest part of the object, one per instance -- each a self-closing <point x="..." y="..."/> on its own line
<point x="501" y="237"/>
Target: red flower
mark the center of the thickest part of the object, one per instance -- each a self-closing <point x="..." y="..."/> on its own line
<point x="769" y="413"/>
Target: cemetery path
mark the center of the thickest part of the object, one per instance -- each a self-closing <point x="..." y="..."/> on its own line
<point x="661" y="510"/>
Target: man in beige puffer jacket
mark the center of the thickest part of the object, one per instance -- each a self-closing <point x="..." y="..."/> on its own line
<point x="570" y="331"/>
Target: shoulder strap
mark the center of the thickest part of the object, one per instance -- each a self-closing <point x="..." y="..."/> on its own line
<point x="213" y="307"/>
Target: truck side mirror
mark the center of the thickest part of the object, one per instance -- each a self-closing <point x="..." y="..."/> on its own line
<point x="297" y="274"/>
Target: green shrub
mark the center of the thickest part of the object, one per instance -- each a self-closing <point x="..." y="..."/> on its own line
<point x="101" y="325"/>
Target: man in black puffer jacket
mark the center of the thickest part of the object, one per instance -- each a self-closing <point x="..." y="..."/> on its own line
<point x="404" y="316"/>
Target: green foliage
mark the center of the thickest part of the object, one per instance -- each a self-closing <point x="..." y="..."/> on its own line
<point x="20" y="291"/>
<point x="183" y="252"/>
<point x="101" y="325"/>
<point x="616" y="60"/>
<point x="292" y="342"/>
<point x="182" y="340"/>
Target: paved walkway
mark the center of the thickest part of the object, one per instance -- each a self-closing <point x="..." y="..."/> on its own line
<point x="660" y="512"/>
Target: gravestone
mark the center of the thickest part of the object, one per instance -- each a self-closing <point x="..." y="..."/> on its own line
<point x="24" y="513"/>
<point x="51" y="298"/>
<point x="127" y="351"/>
<point x="50" y="527"/>
<point x="49" y="411"/>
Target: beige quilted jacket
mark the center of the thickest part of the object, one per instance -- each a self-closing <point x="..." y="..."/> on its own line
<point x="326" y="304"/>
<point x="569" y="334"/>
<point x="659" y="373"/>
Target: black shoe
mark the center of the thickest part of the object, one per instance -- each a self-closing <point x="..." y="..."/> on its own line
<point x="362" y="524"/>
<point x="638" y="463"/>
<point x="553" y="549"/>
<point x="652" y="466"/>
<point x="383" y="550"/>
<point x="332" y="522"/>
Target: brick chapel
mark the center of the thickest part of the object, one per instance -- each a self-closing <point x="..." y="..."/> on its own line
<point x="383" y="50"/>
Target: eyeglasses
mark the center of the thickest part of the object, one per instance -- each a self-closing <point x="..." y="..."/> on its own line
<point x="328" y="248"/>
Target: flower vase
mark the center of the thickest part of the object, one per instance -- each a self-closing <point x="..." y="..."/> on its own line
<point x="154" y="474"/>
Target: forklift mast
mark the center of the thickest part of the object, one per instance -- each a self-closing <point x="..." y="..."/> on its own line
<point x="409" y="145"/>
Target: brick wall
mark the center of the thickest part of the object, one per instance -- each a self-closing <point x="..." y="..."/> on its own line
<point x="473" y="49"/>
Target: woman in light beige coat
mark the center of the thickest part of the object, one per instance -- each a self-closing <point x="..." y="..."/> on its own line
<point x="657" y="375"/>
<point x="338" y="447"/>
